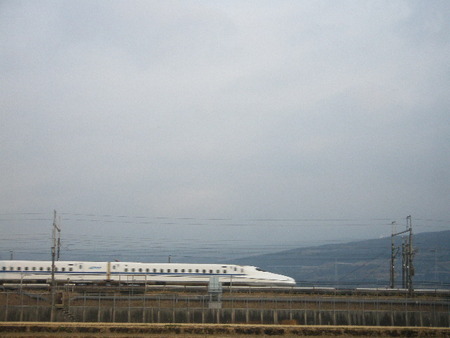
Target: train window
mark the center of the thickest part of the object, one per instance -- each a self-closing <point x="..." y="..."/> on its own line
<point x="217" y="271"/>
<point x="80" y="266"/>
<point x="114" y="267"/>
<point x="126" y="270"/>
<point x="147" y="270"/>
<point x="41" y="268"/>
<point x="132" y="270"/>
<point x="224" y="271"/>
<point x="70" y="269"/>
<point x="168" y="270"/>
<point x="176" y="270"/>
<point x="3" y="268"/>
<point x="140" y="269"/>
<point x="11" y="268"/>
<point x="26" y="268"/>
<point x="56" y="269"/>
<point x="190" y="270"/>
<point x="182" y="270"/>
<point x="235" y="268"/>
<point x="162" y="270"/>
<point x="204" y="271"/>
<point x="210" y="271"/>
<point x="154" y="270"/>
<point x="33" y="268"/>
<point x="196" y="270"/>
<point x="48" y="269"/>
<point x="63" y="269"/>
<point x="19" y="268"/>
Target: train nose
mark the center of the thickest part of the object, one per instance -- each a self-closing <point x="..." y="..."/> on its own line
<point x="291" y="281"/>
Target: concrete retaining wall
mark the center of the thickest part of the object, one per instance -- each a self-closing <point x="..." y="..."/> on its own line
<point x="226" y="316"/>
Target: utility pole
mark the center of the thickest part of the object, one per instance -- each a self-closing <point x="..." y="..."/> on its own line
<point x="56" y="242"/>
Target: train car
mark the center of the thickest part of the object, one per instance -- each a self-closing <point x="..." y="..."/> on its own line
<point x="134" y="272"/>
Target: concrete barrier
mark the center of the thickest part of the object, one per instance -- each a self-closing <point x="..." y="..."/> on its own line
<point x="225" y="316"/>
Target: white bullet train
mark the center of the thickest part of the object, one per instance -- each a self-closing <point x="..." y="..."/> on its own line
<point x="132" y="272"/>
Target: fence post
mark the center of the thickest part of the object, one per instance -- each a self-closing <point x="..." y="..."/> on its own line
<point x="114" y="309"/>
<point x="129" y="306"/>
<point x="7" y="306"/>
<point x="349" y="315"/>
<point x="21" y="305"/>
<point x="84" y="307"/>
<point x="305" y="314"/>
<point x="363" y="313"/>
<point x="143" y="305"/>
<point x="99" y="309"/>
<point x="159" y="309"/>
<point x="334" y="308"/>
<point x="406" y="310"/>
<point x="37" y="309"/>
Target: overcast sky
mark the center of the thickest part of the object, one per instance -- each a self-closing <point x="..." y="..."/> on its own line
<point x="237" y="110"/>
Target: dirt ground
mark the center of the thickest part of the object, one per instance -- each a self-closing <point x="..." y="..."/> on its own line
<point x="96" y="330"/>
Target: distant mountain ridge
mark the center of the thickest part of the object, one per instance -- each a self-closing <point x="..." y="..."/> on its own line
<point x="363" y="263"/>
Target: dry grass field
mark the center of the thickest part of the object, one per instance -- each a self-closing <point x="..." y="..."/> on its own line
<point x="34" y="329"/>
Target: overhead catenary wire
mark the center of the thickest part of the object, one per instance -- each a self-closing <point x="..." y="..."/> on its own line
<point x="215" y="221"/>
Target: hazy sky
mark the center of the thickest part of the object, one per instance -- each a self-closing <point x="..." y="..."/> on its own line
<point x="237" y="110"/>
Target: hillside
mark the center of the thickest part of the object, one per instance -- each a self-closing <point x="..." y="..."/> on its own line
<point x="363" y="263"/>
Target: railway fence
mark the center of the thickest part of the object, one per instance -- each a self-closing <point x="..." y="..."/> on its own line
<point x="233" y="308"/>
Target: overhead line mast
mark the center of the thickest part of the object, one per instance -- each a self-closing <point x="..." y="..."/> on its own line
<point x="407" y="256"/>
<point x="56" y="245"/>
